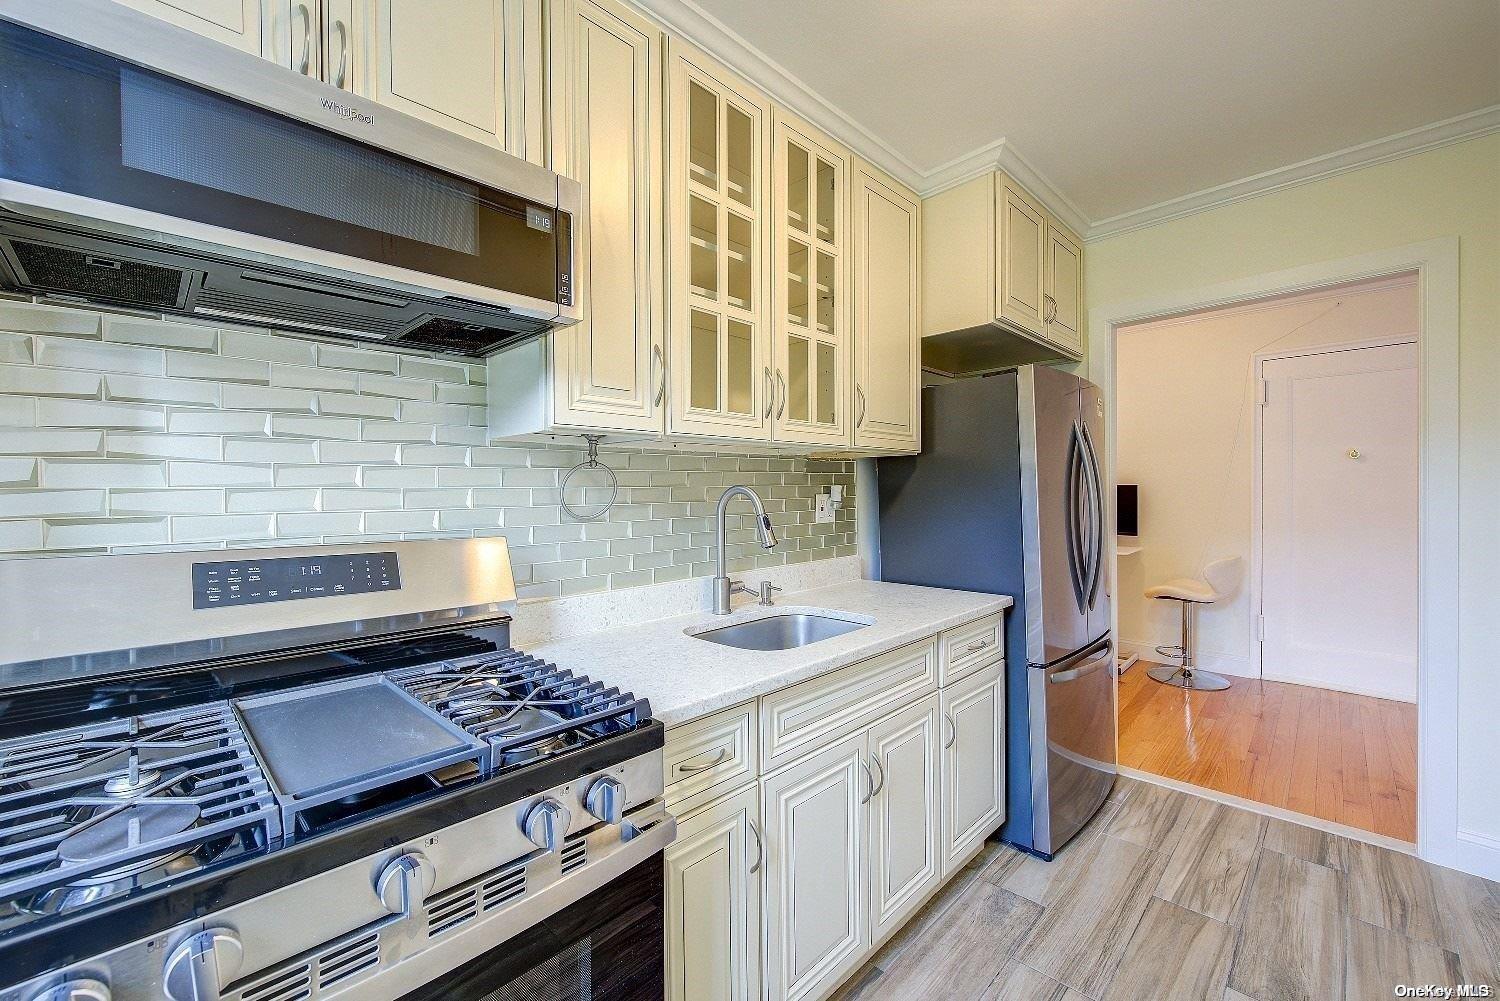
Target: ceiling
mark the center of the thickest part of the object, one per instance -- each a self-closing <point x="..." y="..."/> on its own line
<point x="1128" y="104"/>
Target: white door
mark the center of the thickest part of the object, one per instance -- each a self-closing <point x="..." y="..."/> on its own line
<point x="1339" y="520"/>
<point x="713" y="903"/>
<point x="816" y="921"/>
<point x="973" y="763"/>
<point x="905" y="828"/>
<point x="233" y="22"/>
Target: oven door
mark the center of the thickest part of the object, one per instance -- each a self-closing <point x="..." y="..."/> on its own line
<point x="609" y="946"/>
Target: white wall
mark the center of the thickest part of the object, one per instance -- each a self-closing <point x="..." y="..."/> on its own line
<point x="1185" y="394"/>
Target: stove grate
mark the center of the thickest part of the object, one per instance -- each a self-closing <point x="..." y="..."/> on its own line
<point x="107" y="800"/>
<point x="523" y="707"/>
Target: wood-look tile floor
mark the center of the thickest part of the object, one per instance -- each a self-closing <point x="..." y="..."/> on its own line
<point x="1347" y="758"/>
<point x="1167" y="896"/>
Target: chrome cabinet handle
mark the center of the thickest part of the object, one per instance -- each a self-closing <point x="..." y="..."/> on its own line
<point x="661" y="387"/>
<point x="952" y="730"/>
<point x="875" y="760"/>
<point x="718" y="760"/>
<point x="781" y="407"/>
<point x="859" y="396"/>
<point x="760" y="846"/>
<point x="770" y="394"/>
<point x="976" y="646"/>
<point x="341" y="77"/>
<point x="306" y="60"/>
<point x="868" y="778"/>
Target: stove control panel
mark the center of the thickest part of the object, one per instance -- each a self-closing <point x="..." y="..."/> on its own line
<point x="254" y="582"/>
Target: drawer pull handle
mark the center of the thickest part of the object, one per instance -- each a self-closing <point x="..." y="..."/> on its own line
<point x="688" y="769"/>
<point x="976" y="646"/>
<point x="952" y="730"/>
<point x="760" y="847"/>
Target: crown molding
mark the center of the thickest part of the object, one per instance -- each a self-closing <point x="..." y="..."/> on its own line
<point x="1418" y="140"/>
<point x="692" y="22"/>
<point x="687" y="19"/>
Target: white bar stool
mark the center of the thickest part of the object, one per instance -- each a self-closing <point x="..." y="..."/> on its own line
<point x="1192" y="593"/>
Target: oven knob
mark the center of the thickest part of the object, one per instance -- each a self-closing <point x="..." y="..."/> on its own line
<point x="82" y="989"/>
<point x="546" y="824"/>
<point x="404" y="882"/>
<point x="606" y="800"/>
<point x="201" y="965"/>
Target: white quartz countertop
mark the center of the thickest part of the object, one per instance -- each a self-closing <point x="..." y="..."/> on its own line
<point x="685" y="677"/>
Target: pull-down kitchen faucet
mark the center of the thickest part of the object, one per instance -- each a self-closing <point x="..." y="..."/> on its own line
<point x="724" y="588"/>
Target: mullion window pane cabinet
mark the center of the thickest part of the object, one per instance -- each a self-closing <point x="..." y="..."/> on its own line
<point x="718" y="169"/>
<point x="811" y="306"/>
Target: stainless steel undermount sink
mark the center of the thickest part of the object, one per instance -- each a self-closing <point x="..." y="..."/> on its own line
<point x="784" y="631"/>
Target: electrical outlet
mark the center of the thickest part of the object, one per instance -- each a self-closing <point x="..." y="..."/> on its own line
<point x="823" y="512"/>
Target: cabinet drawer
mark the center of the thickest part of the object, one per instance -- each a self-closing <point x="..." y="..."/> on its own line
<point x="710" y="755"/>
<point x="964" y="649"/>
<point x="798" y="720"/>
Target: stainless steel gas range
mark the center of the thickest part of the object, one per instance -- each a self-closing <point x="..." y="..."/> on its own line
<point x="302" y="773"/>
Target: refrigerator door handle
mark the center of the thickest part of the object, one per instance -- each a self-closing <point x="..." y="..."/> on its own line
<point x="1077" y="551"/>
<point x="1096" y="662"/>
<point x="1096" y="505"/>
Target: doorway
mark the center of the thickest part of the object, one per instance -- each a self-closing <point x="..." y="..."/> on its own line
<point x="1225" y="423"/>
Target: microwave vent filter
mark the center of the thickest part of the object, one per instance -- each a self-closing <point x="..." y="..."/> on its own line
<point x="49" y="269"/>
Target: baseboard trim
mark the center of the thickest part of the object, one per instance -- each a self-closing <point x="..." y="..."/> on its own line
<point x="1373" y="693"/>
<point x="1275" y="812"/>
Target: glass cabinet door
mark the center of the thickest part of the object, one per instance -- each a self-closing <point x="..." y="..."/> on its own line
<point x="811" y="310"/>
<point x="721" y="373"/>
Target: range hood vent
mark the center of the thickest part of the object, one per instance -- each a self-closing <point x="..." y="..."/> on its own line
<point x="77" y="265"/>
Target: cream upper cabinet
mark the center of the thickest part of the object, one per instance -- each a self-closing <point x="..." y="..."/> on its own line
<point x="1019" y="257"/>
<point x="718" y="132"/>
<point x="713" y="902"/>
<point x="470" y="66"/>
<point x="233" y="22"/>
<point x="973" y="763"/>
<point x="1063" y="287"/>
<point x="992" y="258"/>
<point x="906" y="858"/>
<point x="810" y="239"/>
<point x="887" y="235"/>
<point x="816" y="833"/>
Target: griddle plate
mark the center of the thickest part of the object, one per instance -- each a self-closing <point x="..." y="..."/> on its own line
<point x="340" y="737"/>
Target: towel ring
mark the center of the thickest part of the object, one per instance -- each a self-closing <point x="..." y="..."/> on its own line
<point x="592" y="462"/>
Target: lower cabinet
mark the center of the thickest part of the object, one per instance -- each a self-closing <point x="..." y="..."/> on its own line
<point x="860" y="829"/>
<point x="905" y="829"/>
<point x="713" y="902"/>
<point x="973" y="763"/>
<point x="816" y="830"/>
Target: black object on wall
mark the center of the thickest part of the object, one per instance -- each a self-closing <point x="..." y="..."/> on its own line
<point x="1127" y="509"/>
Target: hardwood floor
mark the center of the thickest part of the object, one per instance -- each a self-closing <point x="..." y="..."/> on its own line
<point x="1347" y="758"/>
<point x="1171" y="897"/>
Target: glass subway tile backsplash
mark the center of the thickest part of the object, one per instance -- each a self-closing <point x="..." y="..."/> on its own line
<point x="130" y="434"/>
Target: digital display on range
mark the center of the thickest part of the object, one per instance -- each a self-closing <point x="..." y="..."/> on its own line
<point x="254" y="582"/>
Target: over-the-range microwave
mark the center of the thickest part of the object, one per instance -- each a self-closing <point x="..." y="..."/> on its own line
<point x="146" y="168"/>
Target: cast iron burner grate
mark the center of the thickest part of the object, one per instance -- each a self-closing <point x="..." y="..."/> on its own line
<point x="523" y="707"/>
<point x="86" y="811"/>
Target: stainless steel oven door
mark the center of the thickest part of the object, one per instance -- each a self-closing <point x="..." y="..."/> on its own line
<point x="608" y="946"/>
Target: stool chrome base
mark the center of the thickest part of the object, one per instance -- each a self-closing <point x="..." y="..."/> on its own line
<point x="1189" y="678"/>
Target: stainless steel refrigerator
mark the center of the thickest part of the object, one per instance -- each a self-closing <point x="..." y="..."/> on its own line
<point x="1007" y="496"/>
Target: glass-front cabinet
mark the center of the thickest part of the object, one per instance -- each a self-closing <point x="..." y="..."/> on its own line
<point x="811" y="305"/>
<point x="717" y="162"/>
